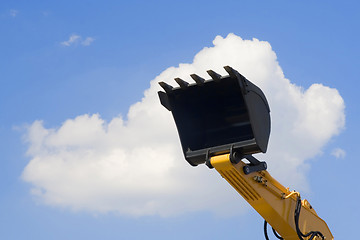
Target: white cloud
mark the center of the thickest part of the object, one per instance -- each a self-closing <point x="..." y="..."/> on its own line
<point x="13" y="12"/>
<point x="87" y="41"/>
<point x="136" y="167"/>
<point x="338" y="153"/>
<point x="75" y="39"/>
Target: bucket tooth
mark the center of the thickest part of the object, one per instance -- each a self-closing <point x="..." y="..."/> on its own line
<point x="233" y="73"/>
<point x="168" y="88"/>
<point x="215" y="76"/>
<point x="199" y="80"/>
<point x="183" y="84"/>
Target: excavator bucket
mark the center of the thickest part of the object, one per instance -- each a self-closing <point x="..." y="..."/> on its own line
<point x="217" y="116"/>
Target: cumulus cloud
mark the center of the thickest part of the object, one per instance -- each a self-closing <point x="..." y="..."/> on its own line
<point x="135" y="166"/>
<point x="75" y="39"/>
<point x="338" y="153"/>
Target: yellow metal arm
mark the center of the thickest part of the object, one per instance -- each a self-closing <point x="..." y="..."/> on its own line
<point x="275" y="203"/>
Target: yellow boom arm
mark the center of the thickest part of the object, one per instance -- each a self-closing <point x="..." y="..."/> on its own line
<point x="275" y="203"/>
<point x="230" y="114"/>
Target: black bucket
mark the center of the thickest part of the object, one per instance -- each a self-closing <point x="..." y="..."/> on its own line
<point x="217" y="115"/>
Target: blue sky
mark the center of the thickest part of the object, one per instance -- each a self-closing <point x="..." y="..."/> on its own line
<point x="133" y="43"/>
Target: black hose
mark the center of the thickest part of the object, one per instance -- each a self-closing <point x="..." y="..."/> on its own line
<point x="277" y="235"/>
<point x="266" y="233"/>
<point x="301" y="236"/>
<point x="312" y="234"/>
<point x="265" y="230"/>
<point x="296" y="218"/>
